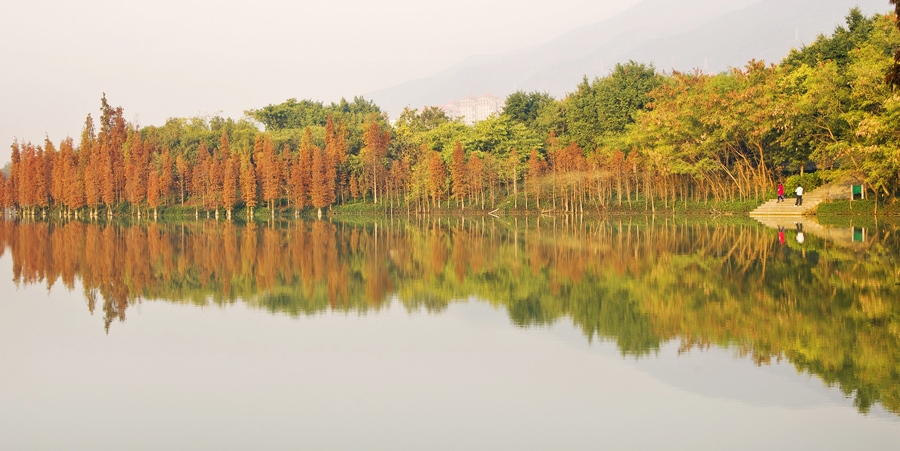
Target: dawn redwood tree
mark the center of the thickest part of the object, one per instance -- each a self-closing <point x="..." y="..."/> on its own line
<point x="284" y="164"/>
<point x="399" y="175"/>
<point x="330" y="136"/>
<point x="374" y="152"/>
<point x="221" y="156"/>
<point x="230" y="183"/>
<point x="392" y="179"/>
<point x="42" y="166"/>
<point x="331" y="174"/>
<point x="75" y="182"/>
<point x="536" y="169"/>
<point x="119" y="136"/>
<point x="248" y="183"/>
<point x="297" y="186"/>
<point x="336" y="149"/>
<point x="553" y="166"/>
<point x="62" y="166"/>
<point x="106" y="177"/>
<point x="512" y="173"/>
<point x="597" y="185"/>
<point x="437" y="177"/>
<point x="354" y="187"/>
<point x="183" y="173"/>
<point x="153" y="191"/>
<point x="617" y="168"/>
<point x="92" y="179"/>
<point x="130" y="178"/>
<point x="51" y="160"/>
<point x="200" y="185"/>
<point x="341" y="151"/>
<point x="166" y="175"/>
<point x="633" y="166"/>
<point x="26" y="178"/>
<point x="458" y="177"/>
<point x="145" y="164"/>
<point x="12" y="190"/>
<point x="475" y="179"/>
<point x="492" y="175"/>
<point x="319" y="188"/>
<point x="224" y="145"/>
<point x="112" y="136"/>
<point x="136" y="173"/>
<point x="406" y="182"/>
<point x="216" y="176"/>
<point x="3" y="190"/>
<point x="269" y="173"/>
<point x="419" y="175"/>
<point x="580" y="181"/>
<point x="302" y="171"/>
<point x="5" y="193"/>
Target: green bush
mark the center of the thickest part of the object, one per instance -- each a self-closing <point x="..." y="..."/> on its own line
<point x="867" y="207"/>
<point x="808" y="181"/>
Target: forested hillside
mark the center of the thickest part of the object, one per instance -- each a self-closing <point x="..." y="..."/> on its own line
<point x="637" y="138"/>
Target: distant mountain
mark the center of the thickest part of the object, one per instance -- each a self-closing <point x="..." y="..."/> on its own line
<point x="711" y="35"/>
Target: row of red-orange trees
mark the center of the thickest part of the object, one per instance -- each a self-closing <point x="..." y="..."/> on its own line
<point x="115" y="169"/>
<point x="118" y="171"/>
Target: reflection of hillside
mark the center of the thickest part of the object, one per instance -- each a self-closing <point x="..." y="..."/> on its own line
<point x="831" y="311"/>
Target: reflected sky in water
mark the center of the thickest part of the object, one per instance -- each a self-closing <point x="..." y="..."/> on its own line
<point x="233" y="378"/>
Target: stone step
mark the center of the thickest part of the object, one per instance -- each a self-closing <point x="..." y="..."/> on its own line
<point x="787" y="207"/>
<point x="840" y="189"/>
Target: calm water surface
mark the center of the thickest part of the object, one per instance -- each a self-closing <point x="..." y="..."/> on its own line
<point x="453" y="334"/>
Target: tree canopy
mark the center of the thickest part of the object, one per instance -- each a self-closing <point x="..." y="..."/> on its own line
<point x="633" y="136"/>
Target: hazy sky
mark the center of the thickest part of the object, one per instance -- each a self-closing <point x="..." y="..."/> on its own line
<point x="164" y="58"/>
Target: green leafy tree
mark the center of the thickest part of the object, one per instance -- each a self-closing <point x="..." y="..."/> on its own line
<point x="526" y="108"/>
<point x="892" y="78"/>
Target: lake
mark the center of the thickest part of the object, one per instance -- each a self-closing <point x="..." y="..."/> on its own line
<point x="460" y="333"/>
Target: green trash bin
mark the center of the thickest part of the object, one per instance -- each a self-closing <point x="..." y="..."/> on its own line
<point x="856" y="190"/>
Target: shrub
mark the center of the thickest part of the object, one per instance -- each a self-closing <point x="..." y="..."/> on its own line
<point x="808" y="181"/>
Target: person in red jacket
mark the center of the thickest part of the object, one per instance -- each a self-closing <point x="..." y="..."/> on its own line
<point x="780" y="192"/>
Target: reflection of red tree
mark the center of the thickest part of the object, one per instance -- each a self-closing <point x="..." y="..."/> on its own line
<point x="438" y="251"/>
<point x="460" y="255"/>
<point x="4" y="188"/>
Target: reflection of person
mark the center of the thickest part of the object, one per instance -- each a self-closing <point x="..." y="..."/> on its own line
<point x="781" y="235"/>
<point x="780" y="192"/>
<point x="799" y="192"/>
<point x="800" y="237"/>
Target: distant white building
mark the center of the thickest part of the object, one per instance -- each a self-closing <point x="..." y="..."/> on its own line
<point x="473" y="109"/>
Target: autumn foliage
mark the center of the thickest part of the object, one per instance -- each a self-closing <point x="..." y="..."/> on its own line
<point x="635" y="139"/>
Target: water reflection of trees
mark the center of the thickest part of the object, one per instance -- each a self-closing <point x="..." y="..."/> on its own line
<point x="832" y="311"/>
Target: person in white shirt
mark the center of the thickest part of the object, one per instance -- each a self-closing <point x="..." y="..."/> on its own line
<point x="799" y="192"/>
